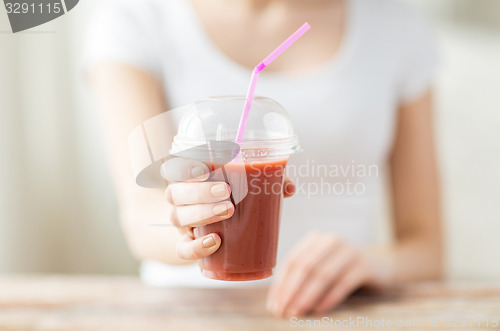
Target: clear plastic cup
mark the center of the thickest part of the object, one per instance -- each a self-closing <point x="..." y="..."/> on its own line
<point x="255" y="171"/>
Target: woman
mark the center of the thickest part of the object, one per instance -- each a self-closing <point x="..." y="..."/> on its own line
<point x="358" y="89"/>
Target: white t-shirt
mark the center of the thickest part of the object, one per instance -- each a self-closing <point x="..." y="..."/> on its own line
<point x="343" y="111"/>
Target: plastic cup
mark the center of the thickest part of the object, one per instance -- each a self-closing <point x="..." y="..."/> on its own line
<point x="255" y="171"/>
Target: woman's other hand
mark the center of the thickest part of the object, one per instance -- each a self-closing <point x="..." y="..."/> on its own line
<point x="320" y="273"/>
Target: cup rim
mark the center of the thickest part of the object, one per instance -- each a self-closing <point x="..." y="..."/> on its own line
<point x="278" y="146"/>
<point x="233" y="97"/>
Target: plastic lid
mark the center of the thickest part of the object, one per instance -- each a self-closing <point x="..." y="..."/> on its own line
<point x="269" y="130"/>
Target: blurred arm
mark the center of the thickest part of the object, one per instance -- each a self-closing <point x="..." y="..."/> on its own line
<point x="417" y="254"/>
<point x="127" y="97"/>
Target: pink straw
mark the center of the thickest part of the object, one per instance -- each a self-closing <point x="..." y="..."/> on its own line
<point x="255" y="75"/>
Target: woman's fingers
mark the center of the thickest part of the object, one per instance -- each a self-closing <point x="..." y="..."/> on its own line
<point x="300" y="268"/>
<point x="307" y="297"/>
<point x="201" y="214"/>
<point x="279" y="283"/>
<point x="181" y="170"/>
<point x="186" y="231"/>
<point x="189" y="249"/>
<point x="179" y="194"/>
<point x="325" y="276"/>
<point x="195" y="202"/>
<point x="350" y="280"/>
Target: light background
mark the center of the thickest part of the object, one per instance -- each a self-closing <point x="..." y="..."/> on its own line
<point x="57" y="208"/>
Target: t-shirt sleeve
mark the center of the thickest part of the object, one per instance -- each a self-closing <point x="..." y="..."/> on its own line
<point x="123" y="32"/>
<point x="419" y="55"/>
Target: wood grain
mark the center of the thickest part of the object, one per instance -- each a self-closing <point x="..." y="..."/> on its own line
<point x="40" y="302"/>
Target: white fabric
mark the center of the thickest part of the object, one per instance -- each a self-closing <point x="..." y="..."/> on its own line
<point x="344" y="110"/>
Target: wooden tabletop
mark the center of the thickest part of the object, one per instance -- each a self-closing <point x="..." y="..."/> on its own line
<point x="123" y="303"/>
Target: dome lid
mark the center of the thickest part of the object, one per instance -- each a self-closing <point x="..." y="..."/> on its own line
<point x="269" y="128"/>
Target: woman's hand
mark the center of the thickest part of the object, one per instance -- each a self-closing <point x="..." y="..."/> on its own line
<point x="320" y="273"/>
<point x="195" y="202"/>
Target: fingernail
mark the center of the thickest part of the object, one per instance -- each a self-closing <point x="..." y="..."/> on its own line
<point x="219" y="190"/>
<point x="209" y="242"/>
<point x="198" y="171"/>
<point x="221" y="209"/>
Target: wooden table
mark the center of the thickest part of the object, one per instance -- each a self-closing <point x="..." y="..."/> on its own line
<point x="123" y="303"/>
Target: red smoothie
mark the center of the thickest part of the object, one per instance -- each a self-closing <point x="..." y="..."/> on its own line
<point x="250" y="236"/>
